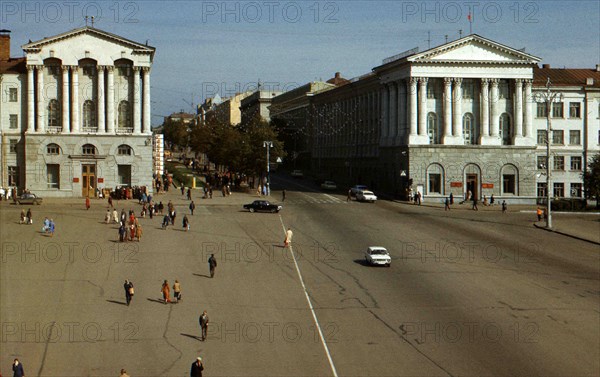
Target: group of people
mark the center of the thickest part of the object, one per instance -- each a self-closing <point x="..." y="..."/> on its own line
<point x="166" y="292"/>
<point x="26" y="218"/>
<point x="48" y="227"/>
<point x="129" y="227"/>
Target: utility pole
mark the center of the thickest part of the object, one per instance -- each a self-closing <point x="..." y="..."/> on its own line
<point x="268" y="145"/>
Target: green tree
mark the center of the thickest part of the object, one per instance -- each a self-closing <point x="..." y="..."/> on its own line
<point x="591" y="180"/>
<point x="175" y="132"/>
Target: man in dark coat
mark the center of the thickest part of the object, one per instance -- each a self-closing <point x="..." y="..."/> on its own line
<point x="212" y="264"/>
<point x="197" y="368"/>
<point x="17" y="368"/>
<point x="128" y="291"/>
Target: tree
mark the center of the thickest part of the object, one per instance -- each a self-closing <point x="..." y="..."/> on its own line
<point x="591" y="180"/>
<point x="175" y="132"/>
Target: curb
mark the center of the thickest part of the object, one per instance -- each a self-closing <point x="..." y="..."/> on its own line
<point x="566" y="234"/>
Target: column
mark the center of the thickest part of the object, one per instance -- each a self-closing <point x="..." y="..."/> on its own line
<point x="384" y="111"/>
<point x="393" y="108"/>
<point x="75" y="99"/>
<point x="412" y="105"/>
<point x="495" y="119"/>
<point x="65" y="100"/>
<point x="136" y="100"/>
<point x="485" y="108"/>
<point x="457" y="127"/>
<point x="423" y="106"/>
<point x="447" y="109"/>
<point x="518" y="111"/>
<point x="147" y="124"/>
<point x="528" y="119"/>
<point x="30" y="99"/>
<point x="401" y="111"/>
<point x="100" y="96"/>
<point x="41" y="124"/>
<point x="110" y="100"/>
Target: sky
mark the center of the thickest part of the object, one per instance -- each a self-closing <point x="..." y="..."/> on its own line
<point x="209" y="47"/>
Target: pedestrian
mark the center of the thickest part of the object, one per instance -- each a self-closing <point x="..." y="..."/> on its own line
<point x="451" y="199"/>
<point x="110" y="203"/>
<point x="447" y="204"/>
<point x="539" y="213"/>
<point x="192" y="207"/>
<point x="259" y="190"/>
<point x="46" y="227"/>
<point x="87" y="202"/>
<point x="182" y="190"/>
<point x="131" y="231"/>
<point x="212" y="264"/>
<point x="115" y="216"/>
<point x="151" y="210"/>
<point x="204" y="324"/>
<point x="173" y="215"/>
<point x="161" y="207"/>
<point x="283" y="195"/>
<point x="186" y="223"/>
<point x="492" y="200"/>
<point x="138" y="231"/>
<point x="107" y="217"/>
<point x="210" y="192"/>
<point x="349" y="196"/>
<point x="166" y="221"/>
<point x="177" y="290"/>
<point x="288" y="237"/>
<point x="418" y="197"/>
<point x="189" y="194"/>
<point x="485" y="201"/>
<point x="129" y="291"/>
<point x="124" y="373"/>
<point x="475" y="204"/>
<point x="51" y="230"/>
<point x="22" y="219"/>
<point x="122" y="232"/>
<point x="504" y="207"/>
<point x="29" y="217"/>
<point x="166" y="291"/>
<point x="17" y="368"/>
<point x="123" y="216"/>
<point x="197" y="368"/>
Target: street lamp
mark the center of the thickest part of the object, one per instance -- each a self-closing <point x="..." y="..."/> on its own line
<point x="268" y="145"/>
<point x="549" y="98"/>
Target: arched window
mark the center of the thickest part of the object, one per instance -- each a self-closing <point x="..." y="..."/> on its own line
<point x="505" y="129"/>
<point x="89" y="114"/>
<point x="54" y="120"/>
<point x="469" y="130"/>
<point x="124" y="115"/>
<point x="124" y="150"/>
<point x="433" y="129"/>
<point x="510" y="179"/>
<point x="88" y="149"/>
<point x="53" y="149"/>
<point x="435" y="179"/>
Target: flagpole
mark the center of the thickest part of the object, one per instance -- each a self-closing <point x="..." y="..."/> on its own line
<point x="470" y="18"/>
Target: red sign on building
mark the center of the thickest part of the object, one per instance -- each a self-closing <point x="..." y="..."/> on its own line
<point x="487" y="185"/>
<point x="455" y="184"/>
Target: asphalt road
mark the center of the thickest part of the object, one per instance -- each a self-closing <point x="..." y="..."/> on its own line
<point x="468" y="294"/>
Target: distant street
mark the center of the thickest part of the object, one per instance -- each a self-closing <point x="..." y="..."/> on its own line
<point x="468" y="293"/>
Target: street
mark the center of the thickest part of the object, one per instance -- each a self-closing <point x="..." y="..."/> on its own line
<point x="468" y="293"/>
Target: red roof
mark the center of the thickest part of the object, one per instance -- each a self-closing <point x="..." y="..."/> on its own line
<point x="13" y="65"/>
<point x="566" y="76"/>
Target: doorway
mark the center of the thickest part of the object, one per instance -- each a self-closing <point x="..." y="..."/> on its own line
<point x="472" y="185"/>
<point x="88" y="180"/>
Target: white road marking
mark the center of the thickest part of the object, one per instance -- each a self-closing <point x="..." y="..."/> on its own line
<point x="312" y="310"/>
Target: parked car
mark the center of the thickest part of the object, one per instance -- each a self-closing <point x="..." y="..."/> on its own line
<point x="366" y="196"/>
<point x="329" y="185"/>
<point x="354" y="190"/>
<point x="29" y="198"/>
<point x="377" y="255"/>
<point x="297" y="174"/>
<point x="262" y="206"/>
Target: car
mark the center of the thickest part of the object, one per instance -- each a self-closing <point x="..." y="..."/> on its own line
<point x="329" y="185"/>
<point x="354" y="190"/>
<point x="29" y="198"/>
<point x="262" y="206"/>
<point x="377" y="255"/>
<point x="366" y="196"/>
<point x="297" y="174"/>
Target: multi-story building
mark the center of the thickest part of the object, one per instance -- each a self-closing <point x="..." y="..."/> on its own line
<point x="75" y="114"/>
<point x="257" y="105"/>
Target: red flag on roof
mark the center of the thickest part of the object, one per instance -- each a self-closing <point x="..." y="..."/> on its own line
<point x="469" y="17"/>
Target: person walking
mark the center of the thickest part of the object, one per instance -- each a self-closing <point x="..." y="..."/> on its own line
<point x="115" y="216"/>
<point x="539" y="213"/>
<point x="283" y="195"/>
<point x="349" y="196"/>
<point x="166" y="292"/>
<point x="123" y="216"/>
<point x="17" y="368"/>
<point x="138" y="231"/>
<point x="492" y="200"/>
<point x="475" y="204"/>
<point x="419" y="197"/>
<point x="122" y="232"/>
<point x="51" y="226"/>
<point x="451" y="199"/>
<point x="87" y="202"/>
<point x="46" y="227"/>
<point x="124" y="373"/>
<point x="29" y="216"/>
<point x="22" y="219"/>
<point x="110" y="203"/>
<point x="212" y="265"/>
<point x="197" y="368"/>
<point x="107" y="217"/>
<point x="166" y="221"/>
<point x="288" y="237"/>
<point x="447" y="204"/>
<point x="186" y="223"/>
<point x="189" y="194"/>
<point x="129" y="291"/>
<point x="177" y="290"/>
<point x="204" y="325"/>
<point x="182" y="190"/>
<point x="192" y="207"/>
<point x="504" y="206"/>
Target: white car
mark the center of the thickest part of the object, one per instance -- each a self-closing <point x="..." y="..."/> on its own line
<point x="329" y="185"/>
<point x="377" y="255"/>
<point x="366" y="196"/>
<point x="354" y="190"/>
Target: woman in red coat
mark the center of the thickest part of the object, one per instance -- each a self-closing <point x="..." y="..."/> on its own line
<point x="166" y="292"/>
<point x="87" y="202"/>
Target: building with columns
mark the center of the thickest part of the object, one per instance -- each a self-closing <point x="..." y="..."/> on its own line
<point x="83" y="115"/>
<point x="456" y="118"/>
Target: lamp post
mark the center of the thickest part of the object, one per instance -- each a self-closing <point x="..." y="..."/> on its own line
<point x="268" y="145"/>
<point x="549" y="98"/>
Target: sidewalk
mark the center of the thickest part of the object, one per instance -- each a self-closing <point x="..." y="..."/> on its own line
<point x="584" y="227"/>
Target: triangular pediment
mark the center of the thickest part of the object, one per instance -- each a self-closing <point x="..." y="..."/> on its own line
<point x="476" y="49"/>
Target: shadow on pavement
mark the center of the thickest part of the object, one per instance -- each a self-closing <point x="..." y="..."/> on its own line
<point x="202" y="276"/>
<point x="117" y="302"/>
<point x="362" y="262"/>
<point x="192" y="336"/>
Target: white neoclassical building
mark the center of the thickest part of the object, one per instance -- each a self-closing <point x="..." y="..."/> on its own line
<point x="81" y="114"/>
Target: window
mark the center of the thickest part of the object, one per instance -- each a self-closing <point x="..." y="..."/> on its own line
<point x="541" y="162"/>
<point x="541" y="189"/>
<point x="505" y="129"/>
<point x="89" y="70"/>
<point x="124" y="115"/>
<point x="12" y="146"/>
<point x="53" y="176"/>
<point x="467" y="89"/>
<point x="13" y="121"/>
<point x="558" y="137"/>
<point x="557" y="110"/>
<point x="575" y="137"/>
<point x="124" y="150"/>
<point x="435" y="179"/>
<point x="576" y="163"/>
<point x="576" y="190"/>
<point x="124" y="172"/>
<point x="542" y="110"/>
<point x="53" y="116"/>
<point x="574" y="110"/>
<point x="509" y="179"/>
<point x="469" y="130"/>
<point x="433" y="129"/>
<point x="12" y="95"/>
<point x="88" y="149"/>
<point x="559" y="190"/>
<point x="53" y="149"/>
<point x="558" y="163"/>
<point x="541" y="137"/>
<point x="13" y="176"/>
<point x="503" y="89"/>
<point x="89" y="114"/>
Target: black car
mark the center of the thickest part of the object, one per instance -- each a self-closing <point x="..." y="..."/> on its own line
<point x="262" y="205"/>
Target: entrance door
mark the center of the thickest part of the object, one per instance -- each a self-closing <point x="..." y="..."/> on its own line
<point x="472" y="185"/>
<point x="88" y="180"/>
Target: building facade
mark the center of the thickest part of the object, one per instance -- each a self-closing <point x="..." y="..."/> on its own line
<point x="82" y="112"/>
<point x="257" y="105"/>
